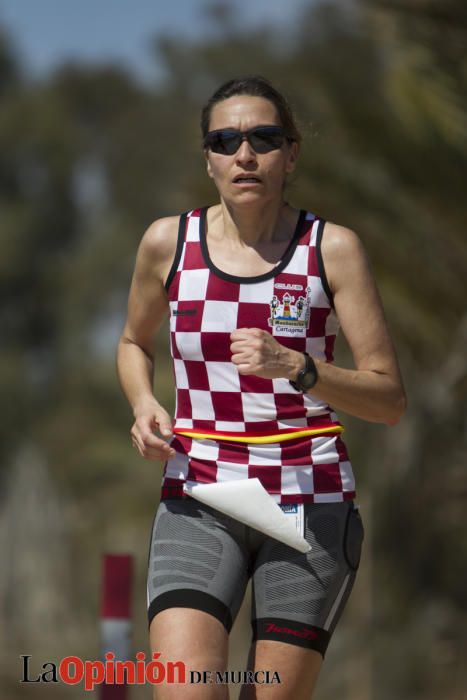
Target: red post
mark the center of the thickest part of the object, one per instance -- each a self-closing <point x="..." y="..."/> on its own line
<point x="116" y="616"/>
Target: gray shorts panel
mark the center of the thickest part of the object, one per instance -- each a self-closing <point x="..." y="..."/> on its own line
<point x="311" y="588"/>
<point x="195" y="547"/>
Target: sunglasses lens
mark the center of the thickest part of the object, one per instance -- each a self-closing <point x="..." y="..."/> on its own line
<point x="262" y="139"/>
<point x="266" y="139"/>
<point x="225" y="142"/>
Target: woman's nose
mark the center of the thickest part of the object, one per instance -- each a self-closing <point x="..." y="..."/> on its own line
<point x="245" y="152"/>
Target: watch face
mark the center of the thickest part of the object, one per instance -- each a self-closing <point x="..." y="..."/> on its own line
<point x="308" y="379"/>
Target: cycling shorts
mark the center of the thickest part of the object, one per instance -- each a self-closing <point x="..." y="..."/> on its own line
<point x="200" y="558"/>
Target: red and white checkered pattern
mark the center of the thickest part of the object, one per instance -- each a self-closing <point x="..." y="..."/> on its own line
<point x="305" y="470"/>
<point x="206" y="306"/>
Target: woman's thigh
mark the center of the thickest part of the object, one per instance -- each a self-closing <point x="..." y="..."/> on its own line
<point x="200" y="642"/>
<point x="197" y="576"/>
<point x="197" y="559"/>
<point x="299" y="598"/>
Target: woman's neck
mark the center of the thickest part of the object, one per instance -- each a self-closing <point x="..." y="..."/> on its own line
<point x="252" y="226"/>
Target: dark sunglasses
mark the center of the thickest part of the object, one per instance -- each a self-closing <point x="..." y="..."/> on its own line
<point x="262" y="139"/>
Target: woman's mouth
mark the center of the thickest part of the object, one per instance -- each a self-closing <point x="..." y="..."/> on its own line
<point x="247" y="180"/>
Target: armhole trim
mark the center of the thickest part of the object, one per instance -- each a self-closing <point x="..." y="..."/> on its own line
<point x="319" y="256"/>
<point x="178" y="251"/>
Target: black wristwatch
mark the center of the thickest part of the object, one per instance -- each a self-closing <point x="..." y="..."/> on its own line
<point x="307" y="377"/>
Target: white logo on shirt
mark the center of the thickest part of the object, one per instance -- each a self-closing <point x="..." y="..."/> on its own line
<point x="283" y="285"/>
<point x="290" y="317"/>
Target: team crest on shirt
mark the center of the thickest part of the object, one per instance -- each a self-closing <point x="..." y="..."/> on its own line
<point x="290" y="316"/>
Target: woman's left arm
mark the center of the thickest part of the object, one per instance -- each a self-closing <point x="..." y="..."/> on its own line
<point x="374" y="390"/>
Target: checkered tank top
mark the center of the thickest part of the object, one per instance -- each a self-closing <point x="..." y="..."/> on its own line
<point x="215" y="405"/>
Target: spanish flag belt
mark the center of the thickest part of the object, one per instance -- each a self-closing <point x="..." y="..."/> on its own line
<point x="259" y="437"/>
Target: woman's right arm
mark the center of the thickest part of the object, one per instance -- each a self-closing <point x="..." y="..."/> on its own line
<point x="147" y="307"/>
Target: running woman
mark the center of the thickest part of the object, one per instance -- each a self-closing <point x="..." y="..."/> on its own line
<point x="256" y="291"/>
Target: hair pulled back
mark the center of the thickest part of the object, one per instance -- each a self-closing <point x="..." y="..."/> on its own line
<point x="255" y="86"/>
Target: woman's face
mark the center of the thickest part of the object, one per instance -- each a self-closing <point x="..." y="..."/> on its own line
<point x="269" y="169"/>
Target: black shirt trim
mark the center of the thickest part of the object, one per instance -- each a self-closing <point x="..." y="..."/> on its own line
<point x="319" y="256"/>
<point x="178" y="251"/>
<point x="290" y="250"/>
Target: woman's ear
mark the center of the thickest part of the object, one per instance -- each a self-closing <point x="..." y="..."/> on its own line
<point x="294" y="149"/>
<point x="208" y="164"/>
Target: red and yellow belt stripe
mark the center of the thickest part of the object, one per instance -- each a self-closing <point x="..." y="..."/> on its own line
<point x="259" y="437"/>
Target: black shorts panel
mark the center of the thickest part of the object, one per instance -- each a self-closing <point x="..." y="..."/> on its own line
<point x="291" y="632"/>
<point x="191" y="598"/>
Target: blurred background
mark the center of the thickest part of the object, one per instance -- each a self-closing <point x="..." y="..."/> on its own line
<point x="99" y="136"/>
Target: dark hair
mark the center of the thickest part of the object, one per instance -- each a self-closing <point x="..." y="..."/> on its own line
<point x="256" y="86"/>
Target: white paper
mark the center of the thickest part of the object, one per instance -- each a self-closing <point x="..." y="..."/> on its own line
<point x="248" y="501"/>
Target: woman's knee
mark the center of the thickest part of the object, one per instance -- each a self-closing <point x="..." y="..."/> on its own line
<point x="291" y="671"/>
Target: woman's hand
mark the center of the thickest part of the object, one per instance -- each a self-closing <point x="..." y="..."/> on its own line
<point x="255" y="351"/>
<point x="149" y="418"/>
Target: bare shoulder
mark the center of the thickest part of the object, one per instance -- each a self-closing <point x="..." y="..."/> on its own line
<point x="158" y="246"/>
<point x="344" y="254"/>
<point x="340" y="241"/>
<point x="160" y="238"/>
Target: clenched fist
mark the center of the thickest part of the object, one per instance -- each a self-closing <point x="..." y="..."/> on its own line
<point x="255" y="351"/>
